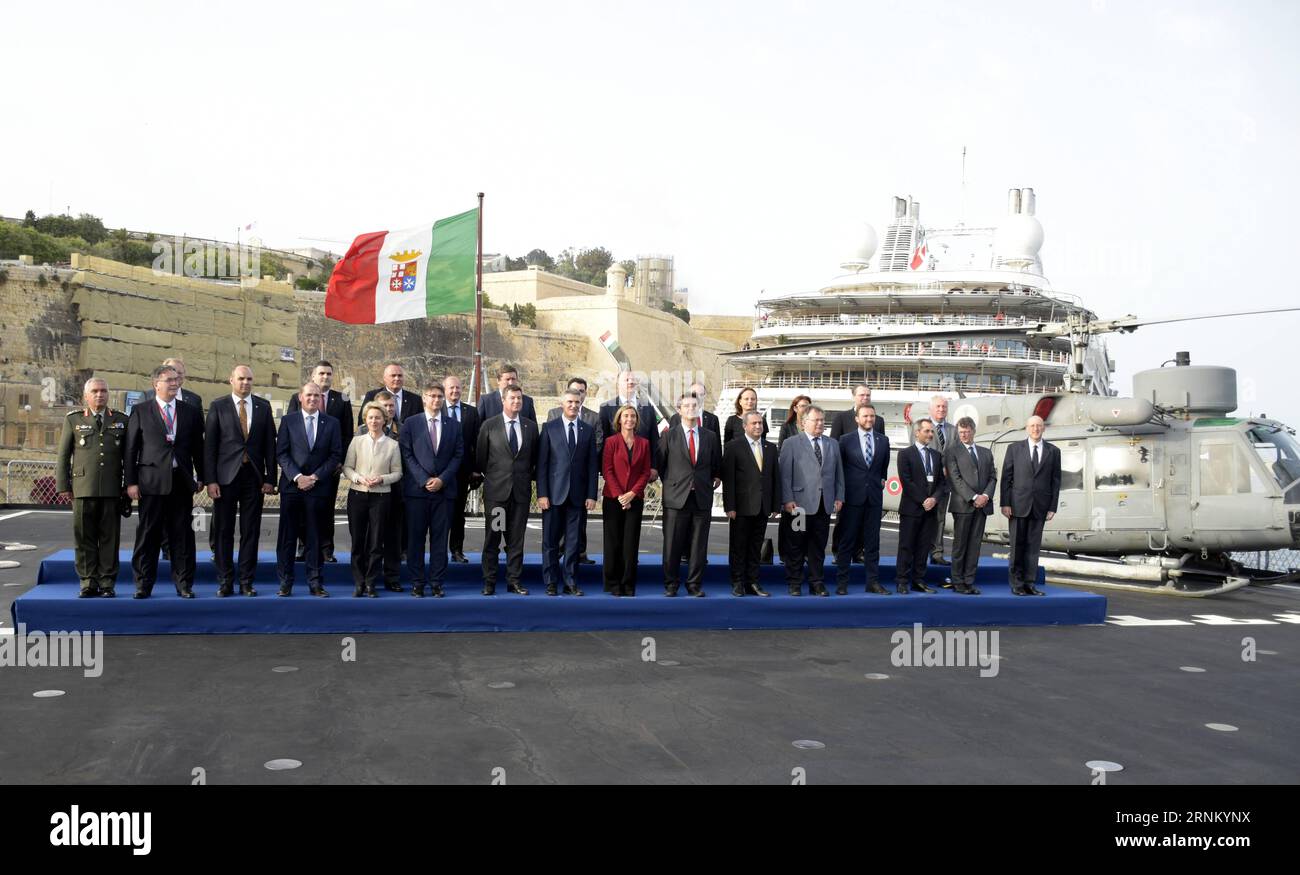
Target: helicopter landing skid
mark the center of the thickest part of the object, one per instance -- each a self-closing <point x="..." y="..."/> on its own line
<point x="1154" y="575"/>
<point x="1174" y="588"/>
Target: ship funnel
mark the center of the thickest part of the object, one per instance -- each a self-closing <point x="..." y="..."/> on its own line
<point x="900" y="208"/>
<point x="1027" y="201"/>
<point x="1013" y="201"/>
<point x="915" y="211"/>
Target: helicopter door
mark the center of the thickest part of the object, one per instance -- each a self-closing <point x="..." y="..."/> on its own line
<point x="1123" y="497"/>
<point x="1072" y="508"/>
<point x="1229" y="493"/>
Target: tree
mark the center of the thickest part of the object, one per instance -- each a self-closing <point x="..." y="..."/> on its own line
<point x="29" y="220"/>
<point x="539" y="258"/>
<point x="592" y="264"/>
<point x="630" y="266"/>
<point x="516" y="263"/>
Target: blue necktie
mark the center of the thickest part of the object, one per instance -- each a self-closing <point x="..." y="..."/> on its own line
<point x="929" y="472"/>
<point x="871" y="449"/>
<point x="573" y="438"/>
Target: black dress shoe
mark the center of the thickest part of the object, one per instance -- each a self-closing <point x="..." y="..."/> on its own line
<point x="459" y="557"/>
<point x="320" y="592"/>
<point x="960" y="588"/>
<point x="328" y="557"/>
<point x="392" y="587"/>
<point x="842" y="589"/>
<point x="971" y="589"/>
<point x="225" y="590"/>
<point x="417" y="592"/>
<point x="1016" y="589"/>
<point x="937" y="559"/>
<point x="758" y="590"/>
<point x="921" y="587"/>
<point x="247" y="589"/>
<point x="186" y="593"/>
<point x="437" y="591"/>
<point x="489" y="589"/>
<point x="550" y="589"/>
<point x="1029" y="590"/>
<point x="877" y="589"/>
<point x="796" y="591"/>
<point x="357" y="591"/>
<point x="670" y="592"/>
<point x="572" y="590"/>
<point x="88" y="594"/>
<point x="819" y="590"/>
<point x="284" y="591"/>
<point x="140" y="594"/>
<point x="370" y="592"/>
<point x="695" y="591"/>
<point x="627" y="592"/>
<point x="902" y="589"/>
<point x="738" y="589"/>
<point x="584" y="559"/>
<point x="516" y="589"/>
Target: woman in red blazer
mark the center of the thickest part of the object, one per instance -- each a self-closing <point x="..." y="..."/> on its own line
<point x="626" y="466"/>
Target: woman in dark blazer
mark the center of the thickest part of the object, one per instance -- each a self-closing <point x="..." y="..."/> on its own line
<point x="746" y="401"/>
<point x="626" y="466"/>
<point x="798" y="407"/>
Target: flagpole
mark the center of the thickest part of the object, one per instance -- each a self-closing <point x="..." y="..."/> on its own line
<point x="478" y="307"/>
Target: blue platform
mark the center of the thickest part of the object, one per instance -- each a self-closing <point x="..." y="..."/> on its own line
<point x="53" y="605"/>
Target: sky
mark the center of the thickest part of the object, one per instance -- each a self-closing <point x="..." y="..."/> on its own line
<point x="748" y="140"/>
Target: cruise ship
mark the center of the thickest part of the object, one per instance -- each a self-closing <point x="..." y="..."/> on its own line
<point x="920" y="281"/>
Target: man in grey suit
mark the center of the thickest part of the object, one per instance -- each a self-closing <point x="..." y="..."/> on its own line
<point x="506" y="453"/>
<point x="945" y="435"/>
<point x="592" y="418"/>
<point x="690" y="463"/>
<point x="812" y="488"/>
<point x="972" y="481"/>
<point x="1031" y="489"/>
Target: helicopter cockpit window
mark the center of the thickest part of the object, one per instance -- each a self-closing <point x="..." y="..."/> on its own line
<point x="1119" y="467"/>
<point x="1280" y="453"/>
<point x="1224" y="469"/>
<point x="1071" y="468"/>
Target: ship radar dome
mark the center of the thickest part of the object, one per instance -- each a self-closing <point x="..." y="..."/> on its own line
<point x="864" y="247"/>
<point x="1018" y="239"/>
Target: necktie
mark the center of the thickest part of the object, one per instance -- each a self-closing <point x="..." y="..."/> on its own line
<point x="170" y="420"/>
<point x="99" y="422"/>
<point x="311" y="432"/>
<point x="433" y="433"/>
<point x="939" y="428"/>
<point x="974" y="459"/>
<point x="573" y="438"/>
<point x="929" y="472"/>
<point x="243" y="417"/>
<point x="455" y="412"/>
<point x="691" y="436"/>
<point x="817" y="449"/>
<point x="514" y="440"/>
<point x="1035" y="457"/>
<point x="758" y="456"/>
<point x="871" y="448"/>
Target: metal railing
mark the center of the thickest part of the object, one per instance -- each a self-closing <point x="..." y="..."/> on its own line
<point x="935" y="349"/>
<point x="814" y="381"/>
<point x="909" y="320"/>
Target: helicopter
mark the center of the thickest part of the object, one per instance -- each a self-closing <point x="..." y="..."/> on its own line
<point x="1158" y="490"/>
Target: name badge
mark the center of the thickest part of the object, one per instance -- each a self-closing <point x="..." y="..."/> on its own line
<point x="929" y="478"/>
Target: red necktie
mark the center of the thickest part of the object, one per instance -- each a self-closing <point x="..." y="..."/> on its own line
<point x="692" y="434"/>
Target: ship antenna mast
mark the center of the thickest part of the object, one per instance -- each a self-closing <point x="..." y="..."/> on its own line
<point x="963" y="185"/>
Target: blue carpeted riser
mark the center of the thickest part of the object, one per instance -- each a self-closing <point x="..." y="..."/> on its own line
<point x="54" y="606"/>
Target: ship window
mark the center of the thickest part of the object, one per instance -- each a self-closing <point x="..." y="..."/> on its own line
<point x="1071" y="468"/>
<point x="1223" y="469"/>
<point x="1120" y="467"/>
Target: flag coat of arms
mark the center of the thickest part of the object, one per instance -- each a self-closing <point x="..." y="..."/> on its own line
<point x="389" y="276"/>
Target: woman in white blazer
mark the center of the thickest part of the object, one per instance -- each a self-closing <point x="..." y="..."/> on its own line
<point x="372" y="465"/>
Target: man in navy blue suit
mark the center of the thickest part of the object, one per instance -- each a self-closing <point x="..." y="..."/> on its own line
<point x="432" y="450"/>
<point x="566" y="485"/>
<point x="490" y="404"/>
<point x="865" y="454"/>
<point x="309" y="447"/>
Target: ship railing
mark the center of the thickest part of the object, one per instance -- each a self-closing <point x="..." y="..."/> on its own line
<point x="813" y="381"/>
<point x="938" y="349"/>
<point x="857" y="319"/>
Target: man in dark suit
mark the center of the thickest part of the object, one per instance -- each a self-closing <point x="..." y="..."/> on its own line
<point x="186" y="396"/>
<point x="432" y="456"/>
<point x="592" y="418"/>
<point x="467" y="416"/>
<point x="690" y="463"/>
<point x="567" y="473"/>
<point x="308" y="448"/>
<point x="846" y="421"/>
<point x="408" y="403"/>
<point x="751" y="493"/>
<point x="490" y="404"/>
<point x="647" y="421"/>
<point x="239" y="447"/>
<point x="865" y="454"/>
<point x="945" y="435"/>
<point x="333" y="403"/>
<point x="972" y="481"/>
<point x="507" y="456"/>
<point x="707" y="420"/>
<point x="920" y="470"/>
<point x="163" y="470"/>
<point x="812" y="488"/>
<point x="1031" y="489"/>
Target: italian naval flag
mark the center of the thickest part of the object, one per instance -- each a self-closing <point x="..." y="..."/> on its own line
<point x="388" y="276"/>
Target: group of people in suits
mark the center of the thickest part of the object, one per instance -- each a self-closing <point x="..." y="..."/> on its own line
<point x="412" y="460"/>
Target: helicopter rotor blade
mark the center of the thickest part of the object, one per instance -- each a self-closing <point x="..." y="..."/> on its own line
<point x="1132" y="323"/>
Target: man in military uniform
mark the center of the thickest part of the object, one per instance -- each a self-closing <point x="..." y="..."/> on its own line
<point x="90" y="474"/>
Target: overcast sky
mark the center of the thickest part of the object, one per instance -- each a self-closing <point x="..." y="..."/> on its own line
<point x="749" y="140"/>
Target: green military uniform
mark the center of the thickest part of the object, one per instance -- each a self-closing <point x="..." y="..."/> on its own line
<point x="90" y="467"/>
